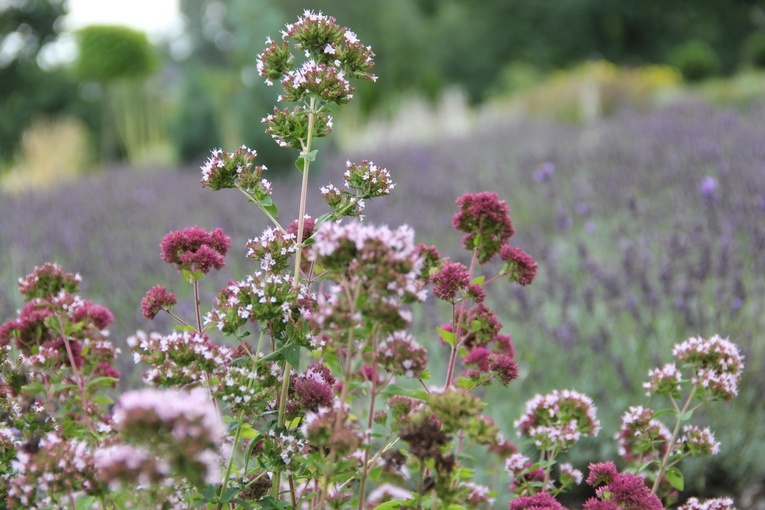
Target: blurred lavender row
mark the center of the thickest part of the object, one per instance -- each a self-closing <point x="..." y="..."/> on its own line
<point x="648" y="229"/>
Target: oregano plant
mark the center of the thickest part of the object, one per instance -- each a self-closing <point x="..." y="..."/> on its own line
<point x="302" y="385"/>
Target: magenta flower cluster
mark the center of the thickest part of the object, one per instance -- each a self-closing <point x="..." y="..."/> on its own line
<point x="194" y="249"/>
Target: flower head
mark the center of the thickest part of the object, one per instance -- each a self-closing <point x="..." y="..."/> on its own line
<point x="157" y="298"/>
<point x="449" y="280"/>
<point x="619" y="490"/>
<point x="194" y="249"/>
<point x="519" y="265"/>
<point x="717" y="364"/>
<point x="559" y="419"/>
<point x="47" y="281"/>
<point x="486" y="223"/>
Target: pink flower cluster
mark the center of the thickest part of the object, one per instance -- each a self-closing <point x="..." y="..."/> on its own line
<point x="558" y="420"/>
<point x="310" y="390"/>
<point x="183" y="429"/>
<point x="400" y="354"/>
<point x="717" y="364"/>
<point x="48" y="280"/>
<point x="223" y="169"/>
<point x="519" y="265"/>
<point x="710" y="504"/>
<point x="697" y="441"/>
<point x="486" y="223"/>
<point x="179" y="358"/>
<point x="157" y="298"/>
<point x="331" y="52"/>
<point x="57" y="467"/>
<point x="642" y="438"/>
<point x="194" y="249"/>
<point x="619" y="490"/>
<point x="369" y="179"/>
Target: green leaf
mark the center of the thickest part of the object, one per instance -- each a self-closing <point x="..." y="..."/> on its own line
<point x="685" y="417"/>
<point x="187" y="328"/>
<point x="98" y="380"/>
<point x="394" y="504"/>
<point x="448" y="336"/>
<point x="664" y="411"/>
<point x="454" y="506"/>
<point x="675" y="477"/>
<point x="103" y="400"/>
<point x="477" y="280"/>
<point x="292" y="355"/>
<point x="394" y="389"/>
<point x="305" y="159"/>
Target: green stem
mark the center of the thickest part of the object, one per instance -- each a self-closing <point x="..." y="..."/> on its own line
<point x="304" y="189"/>
<point x="457" y="326"/>
<point x="671" y="446"/>
<point x="265" y="211"/>
<point x="296" y="279"/>
<point x="224" y="484"/>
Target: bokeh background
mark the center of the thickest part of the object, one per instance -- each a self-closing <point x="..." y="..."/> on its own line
<point x="628" y="139"/>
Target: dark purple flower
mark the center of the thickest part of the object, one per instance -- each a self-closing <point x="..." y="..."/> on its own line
<point x="449" y="280"/>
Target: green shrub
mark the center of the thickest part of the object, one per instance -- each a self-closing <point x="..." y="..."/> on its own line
<point x="696" y="60"/>
<point x="111" y="52"/>
<point x="753" y="50"/>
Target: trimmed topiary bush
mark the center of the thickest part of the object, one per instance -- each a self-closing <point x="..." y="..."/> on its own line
<point x="696" y="60"/>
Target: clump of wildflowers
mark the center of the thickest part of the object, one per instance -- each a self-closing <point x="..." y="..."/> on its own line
<point x="51" y="472"/>
<point x="179" y="358"/>
<point x="449" y="280"/>
<point x="539" y="501"/>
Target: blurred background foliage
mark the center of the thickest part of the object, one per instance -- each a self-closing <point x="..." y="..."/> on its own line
<point x="598" y="121"/>
<point x="205" y="91"/>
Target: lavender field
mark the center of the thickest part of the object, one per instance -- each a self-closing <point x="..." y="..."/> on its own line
<point x="647" y="228"/>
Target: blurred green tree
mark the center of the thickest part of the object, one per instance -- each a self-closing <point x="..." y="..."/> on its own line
<point x="120" y="59"/>
<point x="27" y="89"/>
